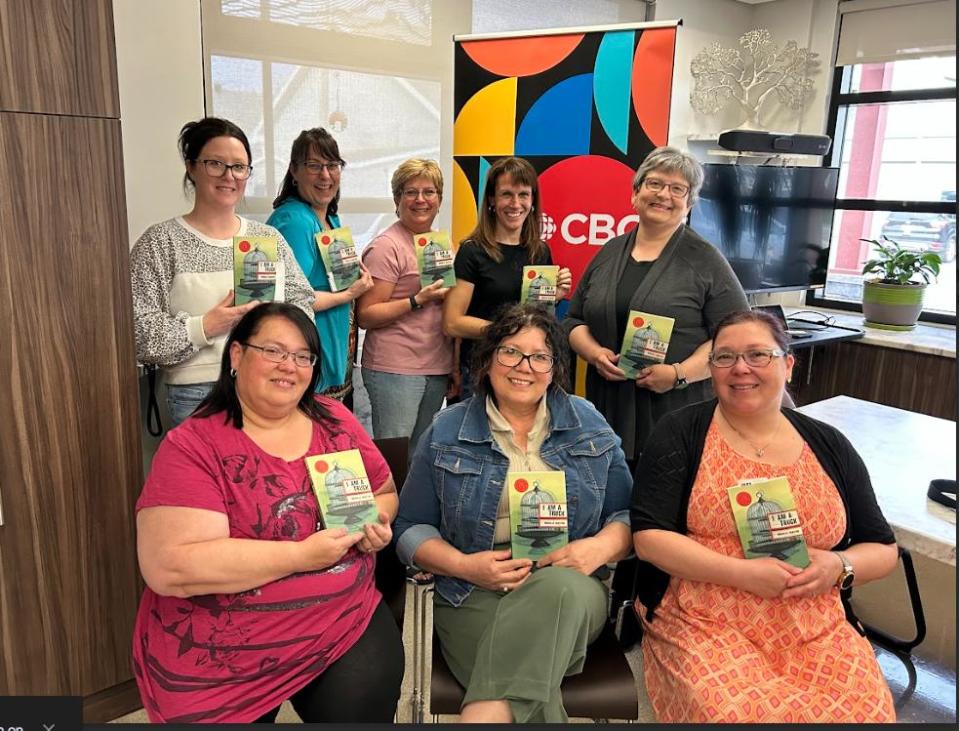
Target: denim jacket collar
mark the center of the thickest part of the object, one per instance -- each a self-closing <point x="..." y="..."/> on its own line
<point x="476" y="428"/>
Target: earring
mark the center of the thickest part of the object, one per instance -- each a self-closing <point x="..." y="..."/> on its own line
<point x="295" y="183"/>
<point x="233" y="373"/>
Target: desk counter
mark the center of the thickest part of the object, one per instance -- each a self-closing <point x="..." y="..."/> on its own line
<point x="903" y="452"/>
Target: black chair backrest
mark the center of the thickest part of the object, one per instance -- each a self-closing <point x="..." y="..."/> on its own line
<point x="390" y="573"/>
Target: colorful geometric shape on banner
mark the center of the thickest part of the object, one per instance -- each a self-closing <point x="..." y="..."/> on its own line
<point x="481" y="182"/>
<point x="521" y="56"/>
<point x="586" y="202"/>
<point x="487" y="122"/>
<point x="464" y="205"/>
<point x="611" y="85"/>
<point x="652" y="81"/>
<point x="559" y="121"/>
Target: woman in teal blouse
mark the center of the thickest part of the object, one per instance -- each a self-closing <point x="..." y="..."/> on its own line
<point x="307" y="204"/>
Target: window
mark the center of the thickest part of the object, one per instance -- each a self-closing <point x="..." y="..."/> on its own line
<point x="893" y="123"/>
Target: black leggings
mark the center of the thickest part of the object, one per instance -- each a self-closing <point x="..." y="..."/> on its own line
<point x="362" y="686"/>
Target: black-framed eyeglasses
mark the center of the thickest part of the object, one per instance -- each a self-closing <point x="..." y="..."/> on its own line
<point x="757" y="357"/>
<point x="676" y="190"/>
<point x="302" y="359"/>
<point x="315" y="168"/>
<point x="511" y="358"/>
<point x="218" y="168"/>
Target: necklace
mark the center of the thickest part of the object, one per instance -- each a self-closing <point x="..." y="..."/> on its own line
<point x="759" y="450"/>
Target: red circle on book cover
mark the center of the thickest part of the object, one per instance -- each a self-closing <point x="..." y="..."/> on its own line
<point x="521" y="485"/>
<point x="744" y="498"/>
<point x="244" y="246"/>
<point x="638" y="322"/>
<point x="321" y="466"/>
<point x="325" y="240"/>
<point x="421" y="242"/>
<point x="531" y="274"/>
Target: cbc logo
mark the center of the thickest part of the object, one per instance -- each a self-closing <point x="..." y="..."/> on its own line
<point x="596" y="228"/>
<point x="547" y="226"/>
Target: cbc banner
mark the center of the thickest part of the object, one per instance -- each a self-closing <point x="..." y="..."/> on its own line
<point x="584" y="106"/>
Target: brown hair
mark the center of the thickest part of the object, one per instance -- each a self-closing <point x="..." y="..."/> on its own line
<point x="759" y="317"/>
<point x="509" y="320"/>
<point x="319" y="142"/>
<point x="521" y="173"/>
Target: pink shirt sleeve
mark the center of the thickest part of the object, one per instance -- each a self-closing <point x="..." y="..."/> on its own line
<point x="381" y="258"/>
<point x="184" y="474"/>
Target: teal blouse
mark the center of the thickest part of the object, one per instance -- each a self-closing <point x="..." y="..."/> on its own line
<point x="299" y="224"/>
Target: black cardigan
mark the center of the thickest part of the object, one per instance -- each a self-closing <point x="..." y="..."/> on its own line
<point x="667" y="469"/>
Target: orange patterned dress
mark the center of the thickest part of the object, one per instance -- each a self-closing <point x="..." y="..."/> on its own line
<point x="715" y="653"/>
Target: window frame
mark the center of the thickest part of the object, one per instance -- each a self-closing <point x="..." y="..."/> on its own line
<point x="840" y="98"/>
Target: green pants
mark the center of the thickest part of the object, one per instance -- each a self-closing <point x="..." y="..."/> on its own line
<point x="518" y="646"/>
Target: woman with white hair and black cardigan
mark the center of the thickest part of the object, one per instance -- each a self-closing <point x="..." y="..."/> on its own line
<point x="662" y="267"/>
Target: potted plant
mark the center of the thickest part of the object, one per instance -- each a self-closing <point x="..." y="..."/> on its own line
<point x="893" y="300"/>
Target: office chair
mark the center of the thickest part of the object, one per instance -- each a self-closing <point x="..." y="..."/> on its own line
<point x="392" y="576"/>
<point x="605" y="689"/>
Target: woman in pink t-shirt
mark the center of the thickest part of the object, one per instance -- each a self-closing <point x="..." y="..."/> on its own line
<point x="248" y="602"/>
<point x="407" y="360"/>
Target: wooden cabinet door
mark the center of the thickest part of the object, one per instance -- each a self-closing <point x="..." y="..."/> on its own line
<point x="58" y="57"/>
<point x="70" y="456"/>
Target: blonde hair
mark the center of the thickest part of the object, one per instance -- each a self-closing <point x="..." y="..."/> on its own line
<point x="416" y="168"/>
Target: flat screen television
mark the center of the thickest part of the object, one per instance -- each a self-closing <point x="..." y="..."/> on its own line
<point x="773" y="224"/>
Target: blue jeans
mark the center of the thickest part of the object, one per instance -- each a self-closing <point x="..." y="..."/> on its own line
<point x="182" y="400"/>
<point x="403" y="406"/>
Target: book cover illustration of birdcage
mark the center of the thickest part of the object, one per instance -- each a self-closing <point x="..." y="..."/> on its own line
<point x="645" y="341"/>
<point x="539" y="285"/>
<point x="434" y="258"/>
<point x="537" y="512"/>
<point x="767" y="520"/>
<point x="339" y="257"/>
<point x="342" y="490"/>
<point x="254" y="268"/>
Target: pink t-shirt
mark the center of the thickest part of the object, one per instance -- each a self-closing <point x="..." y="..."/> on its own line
<point x="233" y="657"/>
<point x="413" y="344"/>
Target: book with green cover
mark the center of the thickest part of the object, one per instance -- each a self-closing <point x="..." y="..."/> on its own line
<point x="254" y="268"/>
<point x="537" y="512"/>
<point x="342" y="490"/>
<point x="434" y="258"/>
<point x="767" y="520"/>
<point x="539" y="285"/>
<point x="339" y="257"/>
<point x="645" y="341"/>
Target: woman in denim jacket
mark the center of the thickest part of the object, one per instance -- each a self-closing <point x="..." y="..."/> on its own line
<point x="510" y="631"/>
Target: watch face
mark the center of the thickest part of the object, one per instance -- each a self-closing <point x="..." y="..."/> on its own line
<point x="846" y="580"/>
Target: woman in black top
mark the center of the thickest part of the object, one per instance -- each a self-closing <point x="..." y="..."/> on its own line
<point x="489" y="263"/>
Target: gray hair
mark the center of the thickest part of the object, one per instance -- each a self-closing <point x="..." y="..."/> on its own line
<point x="672" y="159"/>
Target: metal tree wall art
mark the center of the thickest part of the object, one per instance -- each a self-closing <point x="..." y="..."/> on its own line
<point x="750" y="75"/>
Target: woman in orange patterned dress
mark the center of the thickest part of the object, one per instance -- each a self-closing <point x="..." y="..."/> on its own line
<point x="758" y="640"/>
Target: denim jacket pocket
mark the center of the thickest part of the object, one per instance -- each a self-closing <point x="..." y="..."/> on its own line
<point x="458" y="475"/>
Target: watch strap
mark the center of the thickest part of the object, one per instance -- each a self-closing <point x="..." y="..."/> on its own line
<point x="414" y="305"/>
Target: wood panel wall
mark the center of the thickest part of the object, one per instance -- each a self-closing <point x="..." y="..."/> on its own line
<point x="70" y="455"/>
<point x="58" y="57"/>
<point x="905" y="379"/>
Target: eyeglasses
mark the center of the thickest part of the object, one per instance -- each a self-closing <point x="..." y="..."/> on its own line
<point x="676" y="190"/>
<point x="411" y="194"/>
<point x="218" y="168"/>
<point x="315" y="168"/>
<point x="757" y="358"/>
<point x="275" y="355"/>
<point x="511" y="358"/>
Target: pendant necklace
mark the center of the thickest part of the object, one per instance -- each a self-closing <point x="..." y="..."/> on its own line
<point x="760" y="451"/>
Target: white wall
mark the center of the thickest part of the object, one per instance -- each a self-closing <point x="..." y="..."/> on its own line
<point x="811" y="23"/>
<point x="160" y="73"/>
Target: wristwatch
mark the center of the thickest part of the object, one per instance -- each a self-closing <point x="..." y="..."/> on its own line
<point x="414" y="304"/>
<point x="680" y="382"/>
<point x="848" y="575"/>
